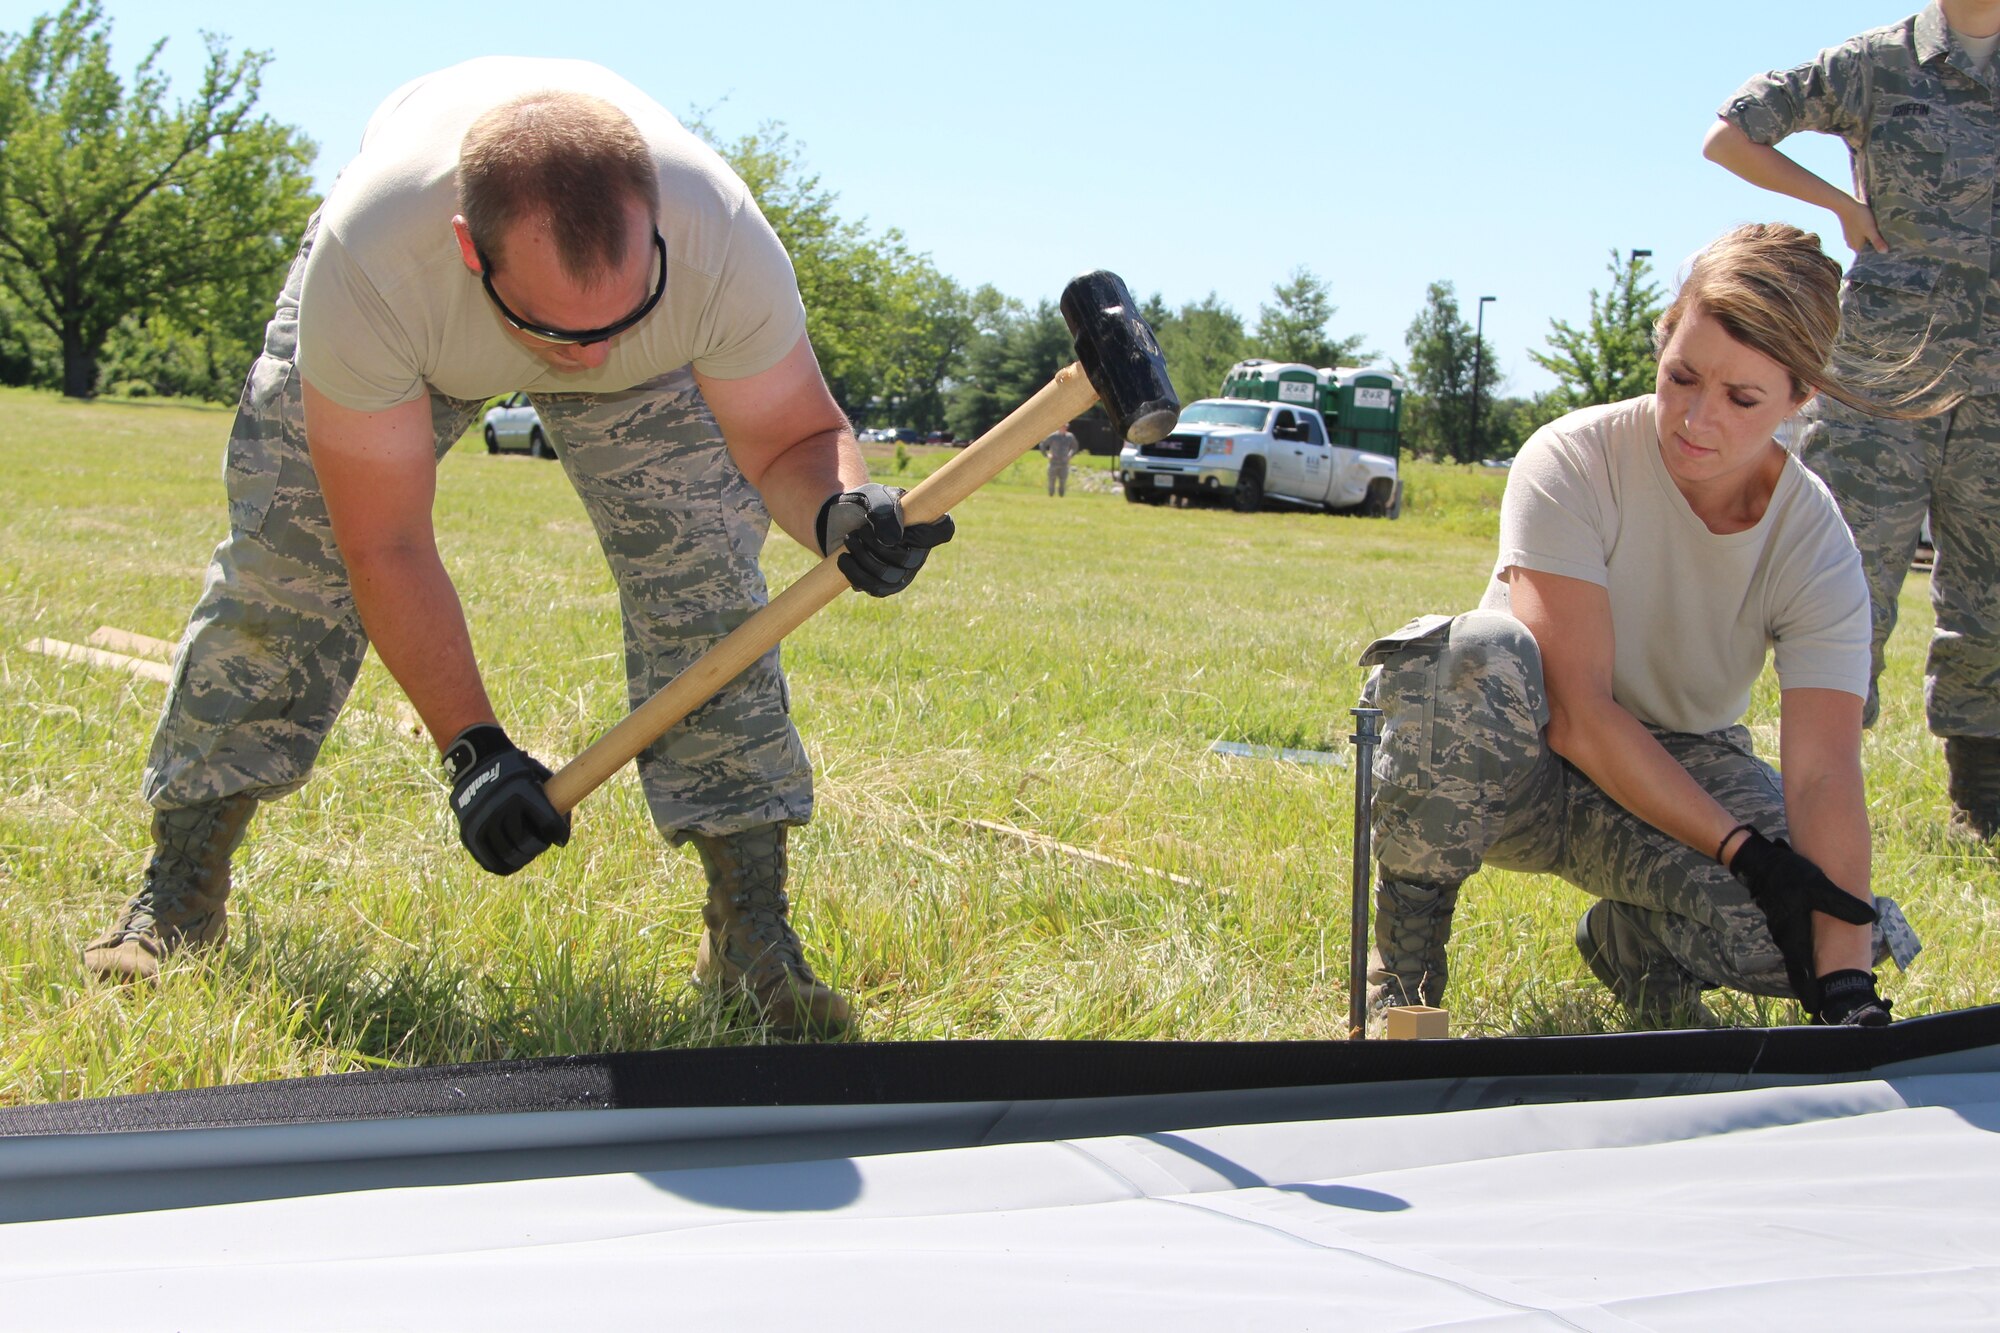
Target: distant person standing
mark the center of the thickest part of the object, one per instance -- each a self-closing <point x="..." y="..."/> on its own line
<point x="1060" y="447"/>
<point x="1918" y="104"/>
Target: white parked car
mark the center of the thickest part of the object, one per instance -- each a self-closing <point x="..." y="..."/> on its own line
<point x="511" y="424"/>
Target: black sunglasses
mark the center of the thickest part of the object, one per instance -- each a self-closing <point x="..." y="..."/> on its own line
<point x="577" y="337"/>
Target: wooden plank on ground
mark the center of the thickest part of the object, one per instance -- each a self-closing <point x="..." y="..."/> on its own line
<point x="124" y="641"/>
<point x="123" y="650"/>
<point x="98" y="657"/>
<point x="1044" y="842"/>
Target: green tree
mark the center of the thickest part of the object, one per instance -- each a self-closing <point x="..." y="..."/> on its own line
<point x="1512" y="421"/>
<point x="113" y="206"/>
<point x="1200" y="342"/>
<point x="1611" y="359"/>
<point x="1014" y="353"/>
<point x="28" y="352"/>
<point x="939" y="322"/>
<point x="1439" y="412"/>
<point x="1294" y="326"/>
<point x="889" y="329"/>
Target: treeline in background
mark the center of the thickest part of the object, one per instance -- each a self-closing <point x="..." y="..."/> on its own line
<point x="142" y="240"/>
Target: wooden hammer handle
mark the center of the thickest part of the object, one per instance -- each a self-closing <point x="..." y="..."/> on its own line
<point x="1062" y="399"/>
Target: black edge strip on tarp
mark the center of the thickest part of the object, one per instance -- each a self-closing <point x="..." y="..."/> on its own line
<point x="895" y="1073"/>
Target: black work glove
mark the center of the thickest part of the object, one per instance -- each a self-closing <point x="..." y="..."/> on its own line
<point x="1789" y="889"/>
<point x="1848" y="999"/>
<point x="879" y="553"/>
<point x="504" y="817"/>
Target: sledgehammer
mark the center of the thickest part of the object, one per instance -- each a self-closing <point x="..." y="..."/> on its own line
<point x="1117" y="362"/>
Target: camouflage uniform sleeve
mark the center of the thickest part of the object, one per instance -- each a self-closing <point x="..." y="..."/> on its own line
<point x="1824" y="95"/>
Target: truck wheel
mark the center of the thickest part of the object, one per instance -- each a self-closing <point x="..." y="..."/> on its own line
<point x="1133" y="495"/>
<point x="1385" y="499"/>
<point x="1249" y="496"/>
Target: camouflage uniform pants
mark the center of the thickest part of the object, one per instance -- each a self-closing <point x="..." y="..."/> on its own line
<point x="1058" y="476"/>
<point x="273" y="645"/>
<point x="1886" y="474"/>
<point x="1464" y="778"/>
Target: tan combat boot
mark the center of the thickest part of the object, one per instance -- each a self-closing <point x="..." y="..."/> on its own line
<point x="749" y="944"/>
<point x="183" y="901"/>
<point x="1407" y="964"/>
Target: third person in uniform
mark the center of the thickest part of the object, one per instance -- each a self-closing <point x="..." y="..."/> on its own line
<point x="1918" y="105"/>
<point x="1060" y="447"/>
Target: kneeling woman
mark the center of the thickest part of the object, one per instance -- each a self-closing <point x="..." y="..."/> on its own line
<point x="1586" y="720"/>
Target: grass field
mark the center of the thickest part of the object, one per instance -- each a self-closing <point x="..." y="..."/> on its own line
<point x="1062" y="668"/>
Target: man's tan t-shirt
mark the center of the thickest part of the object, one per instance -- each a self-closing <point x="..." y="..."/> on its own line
<point x="389" y="311"/>
<point x="1693" y="612"/>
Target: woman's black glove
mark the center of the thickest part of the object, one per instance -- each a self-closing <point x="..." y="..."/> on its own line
<point x="504" y="817"/>
<point x="1789" y="889"/>
<point x="879" y="552"/>
<point x="1848" y="998"/>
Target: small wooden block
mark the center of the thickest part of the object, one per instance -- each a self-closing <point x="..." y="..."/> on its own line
<point x="1416" y="1022"/>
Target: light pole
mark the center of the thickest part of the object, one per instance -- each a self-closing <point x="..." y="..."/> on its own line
<point x="1632" y="276"/>
<point x="1478" y="349"/>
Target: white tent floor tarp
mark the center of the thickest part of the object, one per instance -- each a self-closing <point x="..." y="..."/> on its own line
<point x="1872" y="1203"/>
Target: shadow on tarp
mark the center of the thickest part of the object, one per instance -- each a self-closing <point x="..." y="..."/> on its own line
<point x="660" y="1113"/>
<point x="1241" y="1177"/>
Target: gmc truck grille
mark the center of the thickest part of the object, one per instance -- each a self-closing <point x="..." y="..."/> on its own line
<point x="1174" y="446"/>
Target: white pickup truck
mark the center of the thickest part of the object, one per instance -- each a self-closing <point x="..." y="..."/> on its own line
<point x="1250" y="451"/>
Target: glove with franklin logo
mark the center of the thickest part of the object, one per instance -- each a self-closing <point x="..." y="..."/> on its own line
<point x="879" y="552"/>
<point x="504" y="817"/>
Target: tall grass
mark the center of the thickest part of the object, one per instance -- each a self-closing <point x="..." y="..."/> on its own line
<point x="1061" y="668"/>
<point x="1461" y="498"/>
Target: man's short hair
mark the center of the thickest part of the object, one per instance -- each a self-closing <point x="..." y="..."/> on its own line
<point x="568" y="158"/>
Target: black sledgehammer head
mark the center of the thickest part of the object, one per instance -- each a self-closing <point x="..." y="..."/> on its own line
<point x="1119" y="354"/>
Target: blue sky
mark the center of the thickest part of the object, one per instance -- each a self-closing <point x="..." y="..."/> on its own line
<point x="1191" y="147"/>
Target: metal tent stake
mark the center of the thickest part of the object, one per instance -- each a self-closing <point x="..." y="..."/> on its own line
<point x="1367" y="734"/>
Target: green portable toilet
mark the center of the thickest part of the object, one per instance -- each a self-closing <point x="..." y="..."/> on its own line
<point x="1245" y="378"/>
<point x="1273" y="382"/>
<point x="1329" y="398"/>
<point x="1370" y="413"/>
